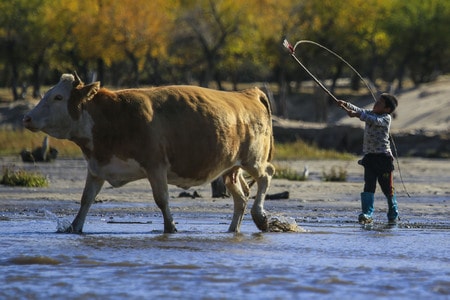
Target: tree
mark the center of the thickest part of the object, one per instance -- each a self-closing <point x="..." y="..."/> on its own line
<point x="129" y="42"/>
<point x="420" y="39"/>
<point x="206" y="28"/>
<point x="19" y="23"/>
<point x="47" y="32"/>
<point x="108" y="32"/>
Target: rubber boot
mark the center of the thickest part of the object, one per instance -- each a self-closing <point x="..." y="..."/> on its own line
<point x="367" y="200"/>
<point x="392" y="209"/>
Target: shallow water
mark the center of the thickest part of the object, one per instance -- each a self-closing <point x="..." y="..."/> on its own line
<point x="126" y="260"/>
<point x="123" y="253"/>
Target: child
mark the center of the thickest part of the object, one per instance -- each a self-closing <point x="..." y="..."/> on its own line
<point x="378" y="160"/>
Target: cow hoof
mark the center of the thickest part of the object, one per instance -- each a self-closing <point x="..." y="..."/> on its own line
<point x="261" y="221"/>
<point x="234" y="230"/>
<point x="170" y="230"/>
<point x="69" y="229"/>
<point x="263" y="226"/>
<point x="66" y="230"/>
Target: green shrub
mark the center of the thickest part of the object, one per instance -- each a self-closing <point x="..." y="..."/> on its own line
<point x="335" y="174"/>
<point x="24" y="178"/>
<point x="288" y="173"/>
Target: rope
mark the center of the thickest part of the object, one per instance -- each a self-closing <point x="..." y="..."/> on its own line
<point x="291" y="49"/>
<point x="343" y="60"/>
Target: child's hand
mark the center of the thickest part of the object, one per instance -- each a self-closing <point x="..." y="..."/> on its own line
<point x="352" y="114"/>
<point x="342" y="104"/>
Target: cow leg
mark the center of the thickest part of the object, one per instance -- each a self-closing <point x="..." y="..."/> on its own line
<point x="161" y="195"/>
<point x="92" y="187"/>
<point x="239" y="190"/>
<point x="263" y="179"/>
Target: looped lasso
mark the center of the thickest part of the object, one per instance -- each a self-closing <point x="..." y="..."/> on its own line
<point x="292" y="49"/>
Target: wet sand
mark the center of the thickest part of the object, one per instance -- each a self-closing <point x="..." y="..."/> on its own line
<point x="426" y="181"/>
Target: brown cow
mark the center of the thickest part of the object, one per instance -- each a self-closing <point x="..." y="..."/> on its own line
<point x="180" y="135"/>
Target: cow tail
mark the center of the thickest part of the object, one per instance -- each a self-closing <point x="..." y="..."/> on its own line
<point x="265" y="101"/>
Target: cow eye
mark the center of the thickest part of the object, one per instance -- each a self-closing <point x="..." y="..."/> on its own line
<point x="58" y="97"/>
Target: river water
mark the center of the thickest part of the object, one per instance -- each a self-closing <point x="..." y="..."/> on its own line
<point x="123" y="253"/>
<point x="127" y="261"/>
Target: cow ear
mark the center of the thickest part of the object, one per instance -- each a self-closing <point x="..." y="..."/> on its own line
<point x="79" y="96"/>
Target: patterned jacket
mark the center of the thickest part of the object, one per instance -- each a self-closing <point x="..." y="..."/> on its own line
<point x="376" y="132"/>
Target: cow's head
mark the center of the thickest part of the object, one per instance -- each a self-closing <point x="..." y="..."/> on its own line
<point x="59" y="110"/>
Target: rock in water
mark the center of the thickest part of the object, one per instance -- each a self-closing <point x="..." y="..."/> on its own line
<point x="283" y="224"/>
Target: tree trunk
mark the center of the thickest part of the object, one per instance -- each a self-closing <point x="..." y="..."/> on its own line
<point x="36" y="83"/>
<point x="101" y="70"/>
<point x="283" y="100"/>
<point x="135" y="69"/>
<point x="218" y="81"/>
<point x="14" y="84"/>
<point x="10" y="48"/>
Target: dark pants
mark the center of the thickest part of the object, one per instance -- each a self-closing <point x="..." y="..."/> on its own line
<point x="378" y="167"/>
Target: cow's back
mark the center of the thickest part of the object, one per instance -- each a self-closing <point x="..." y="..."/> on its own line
<point x="204" y="131"/>
<point x="207" y="131"/>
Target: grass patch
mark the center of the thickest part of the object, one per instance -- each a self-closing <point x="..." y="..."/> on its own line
<point x="301" y="150"/>
<point x="20" y="177"/>
<point x="283" y="172"/>
<point x="338" y="174"/>
<point x="14" y="141"/>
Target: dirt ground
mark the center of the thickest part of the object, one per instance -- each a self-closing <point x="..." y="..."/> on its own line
<point x="310" y="201"/>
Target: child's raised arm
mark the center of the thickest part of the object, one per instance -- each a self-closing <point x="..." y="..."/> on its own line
<point x="344" y="105"/>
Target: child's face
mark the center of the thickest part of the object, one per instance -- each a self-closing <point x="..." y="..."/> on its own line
<point x="380" y="107"/>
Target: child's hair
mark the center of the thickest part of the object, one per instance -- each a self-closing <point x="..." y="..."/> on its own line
<point x="389" y="101"/>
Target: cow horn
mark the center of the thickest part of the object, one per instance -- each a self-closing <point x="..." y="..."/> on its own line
<point x="77" y="81"/>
